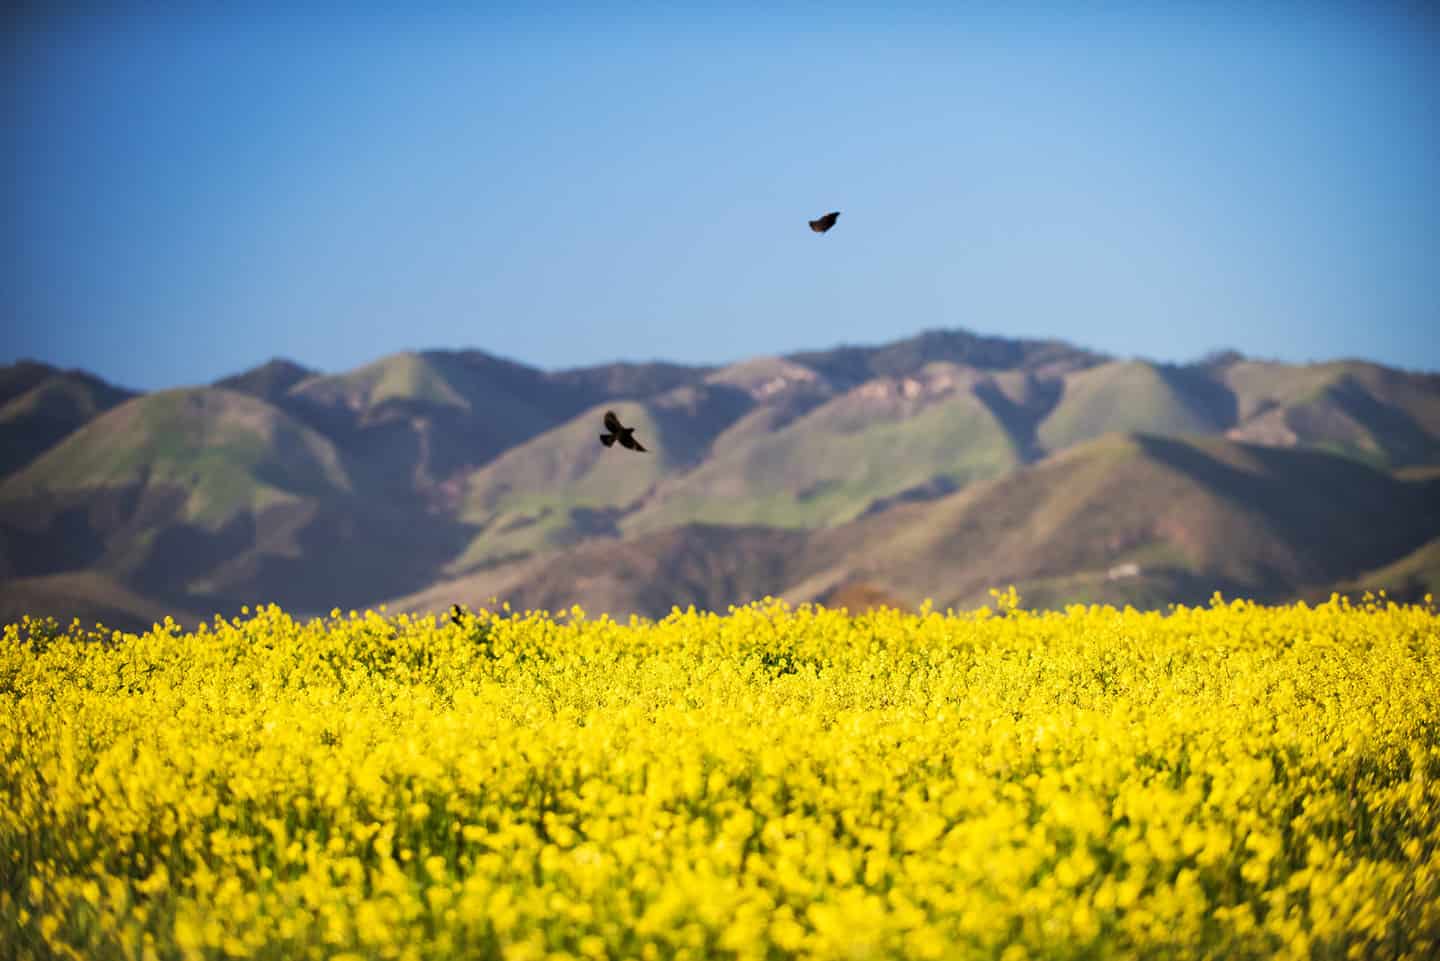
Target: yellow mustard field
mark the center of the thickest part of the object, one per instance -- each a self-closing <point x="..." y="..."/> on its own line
<point x="1233" y="781"/>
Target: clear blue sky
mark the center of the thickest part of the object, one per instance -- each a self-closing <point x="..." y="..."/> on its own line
<point x="188" y="195"/>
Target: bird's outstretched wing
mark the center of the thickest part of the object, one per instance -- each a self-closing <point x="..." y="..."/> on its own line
<point x="825" y="223"/>
<point x="618" y="431"/>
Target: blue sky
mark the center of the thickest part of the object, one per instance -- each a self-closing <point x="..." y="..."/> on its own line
<point x="188" y="195"/>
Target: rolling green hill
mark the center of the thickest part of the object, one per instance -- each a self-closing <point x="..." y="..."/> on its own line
<point x="1138" y="519"/>
<point x="203" y="498"/>
<point x="1388" y="417"/>
<point x="270" y="381"/>
<point x="406" y="377"/>
<point x="221" y="451"/>
<point x="409" y="423"/>
<point x="1128" y="396"/>
<point x="1106" y="519"/>
<point x="937" y="465"/>
<point x="1410" y="578"/>
<point x="563" y="485"/>
<point x="849" y="366"/>
<point x="413" y="423"/>
<point x="875" y="441"/>
<point x="40" y="406"/>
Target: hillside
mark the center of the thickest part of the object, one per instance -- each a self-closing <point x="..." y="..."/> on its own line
<point x="40" y="406"/>
<point x="1411" y="578"/>
<point x="878" y="440"/>
<point x="708" y="566"/>
<point x="411" y="424"/>
<point x="1385" y="416"/>
<point x="1123" y="396"/>
<point x="223" y="450"/>
<point x="564" y="485"/>
<point x="92" y="597"/>
<point x="852" y="365"/>
<point x="199" y="497"/>
<point x="1143" y="518"/>
<point x="271" y="381"/>
<point x="410" y="421"/>
<point x="1138" y="519"/>
<point x="937" y="465"/>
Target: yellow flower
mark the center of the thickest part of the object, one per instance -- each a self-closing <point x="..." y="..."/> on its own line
<point x="1229" y="780"/>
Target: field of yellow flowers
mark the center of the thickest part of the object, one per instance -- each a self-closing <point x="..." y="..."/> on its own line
<point x="1231" y="781"/>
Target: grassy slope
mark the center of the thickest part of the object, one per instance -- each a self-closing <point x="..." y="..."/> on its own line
<point x="229" y="451"/>
<point x="1385" y="416"/>
<point x="564" y="484"/>
<point x="25" y="375"/>
<point x="411" y="421"/>
<point x="270" y="381"/>
<point x="1123" y="396"/>
<point x="1127" y="518"/>
<point x="852" y="365"/>
<point x="407" y="376"/>
<point x="209" y="498"/>
<point x="508" y="396"/>
<point x="800" y="458"/>
<point x="1226" y="513"/>
<point x="766" y="376"/>
<point x="39" y="417"/>
<point x="827" y="466"/>
<point x="1259" y="385"/>
<point x="1409" y="578"/>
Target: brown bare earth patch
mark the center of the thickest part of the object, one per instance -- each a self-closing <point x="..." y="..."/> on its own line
<point x="857" y="597"/>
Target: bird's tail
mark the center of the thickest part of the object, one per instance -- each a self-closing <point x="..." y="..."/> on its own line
<point x="607" y="439"/>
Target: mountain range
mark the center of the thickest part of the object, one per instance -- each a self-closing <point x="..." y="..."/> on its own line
<point x="935" y="467"/>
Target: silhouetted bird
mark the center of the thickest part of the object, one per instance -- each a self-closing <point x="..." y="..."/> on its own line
<point x="626" y="435"/>
<point x="825" y="222"/>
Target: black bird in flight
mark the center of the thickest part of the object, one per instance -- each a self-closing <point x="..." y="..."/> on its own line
<point x="626" y="435"/>
<point x="825" y="222"/>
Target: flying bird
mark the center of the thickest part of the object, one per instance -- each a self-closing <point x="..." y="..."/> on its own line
<point x="825" y="222"/>
<point x="626" y="435"/>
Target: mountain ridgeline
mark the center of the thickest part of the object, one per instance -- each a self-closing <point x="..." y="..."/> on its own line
<point x="934" y="467"/>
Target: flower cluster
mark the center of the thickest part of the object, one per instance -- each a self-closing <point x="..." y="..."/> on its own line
<point x="1231" y="781"/>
